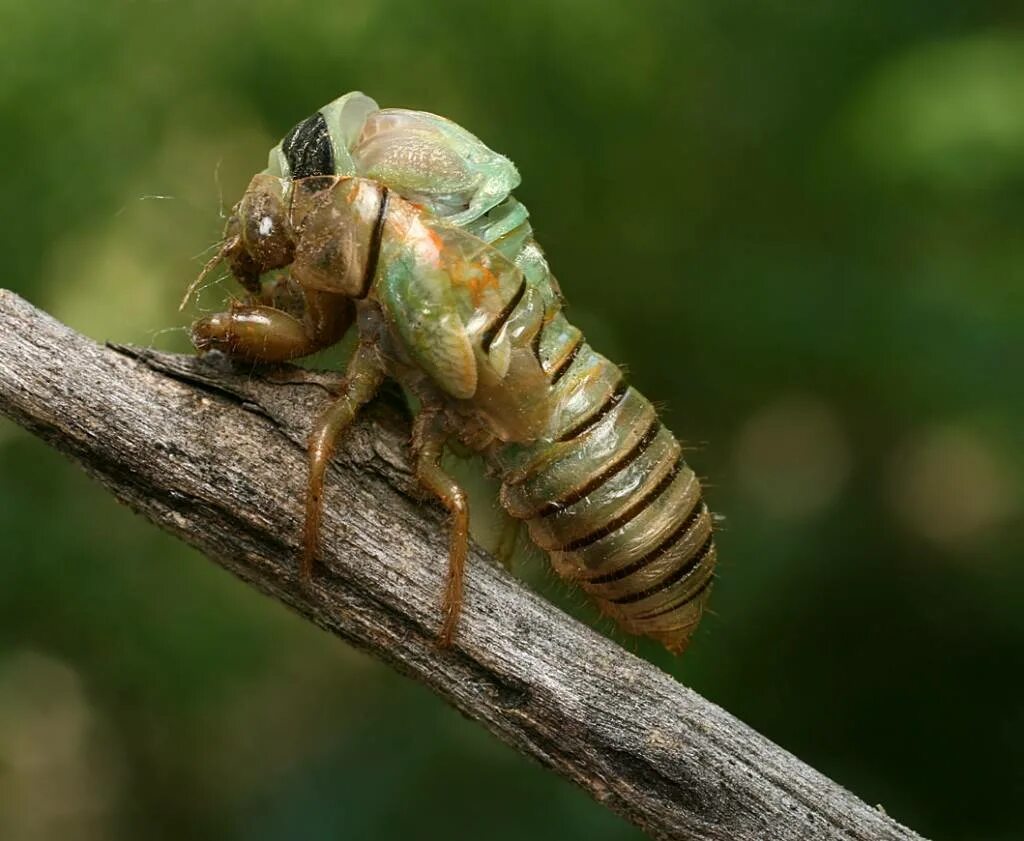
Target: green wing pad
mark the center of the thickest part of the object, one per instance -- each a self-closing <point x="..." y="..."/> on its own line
<point x="451" y="297"/>
<point x="423" y="309"/>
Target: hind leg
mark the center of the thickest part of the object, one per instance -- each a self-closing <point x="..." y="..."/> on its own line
<point x="428" y="438"/>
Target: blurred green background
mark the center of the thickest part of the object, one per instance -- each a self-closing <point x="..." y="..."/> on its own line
<point x="799" y="224"/>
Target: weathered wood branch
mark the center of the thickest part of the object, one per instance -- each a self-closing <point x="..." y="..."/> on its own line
<point x="217" y="457"/>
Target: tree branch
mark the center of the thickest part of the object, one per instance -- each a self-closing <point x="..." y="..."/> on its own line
<point x="217" y="457"/>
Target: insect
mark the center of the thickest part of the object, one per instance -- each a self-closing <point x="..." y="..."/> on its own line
<point x="401" y="225"/>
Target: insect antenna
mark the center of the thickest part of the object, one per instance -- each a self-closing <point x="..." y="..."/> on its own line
<point x="147" y="197"/>
<point x="213" y="246"/>
<point x="220" y="189"/>
<point x="211" y="264"/>
<point x="156" y="334"/>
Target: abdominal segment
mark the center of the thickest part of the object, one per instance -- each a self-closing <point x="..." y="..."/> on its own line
<point x="610" y="497"/>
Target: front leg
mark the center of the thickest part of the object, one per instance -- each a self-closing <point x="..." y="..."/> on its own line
<point x="429" y="434"/>
<point x="362" y="379"/>
<point x="260" y="333"/>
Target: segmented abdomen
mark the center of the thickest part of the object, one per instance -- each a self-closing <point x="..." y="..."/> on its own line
<point x="609" y="495"/>
<point x="602" y="485"/>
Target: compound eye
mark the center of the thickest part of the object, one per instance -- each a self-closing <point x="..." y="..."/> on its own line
<point x="308" y="148"/>
<point x="264" y="223"/>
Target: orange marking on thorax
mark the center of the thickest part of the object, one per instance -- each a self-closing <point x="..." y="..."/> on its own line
<point x="490" y="279"/>
<point x="435" y="238"/>
<point x="476" y="277"/>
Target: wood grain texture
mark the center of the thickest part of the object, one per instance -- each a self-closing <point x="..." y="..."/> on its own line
<point x="217" y="457"/>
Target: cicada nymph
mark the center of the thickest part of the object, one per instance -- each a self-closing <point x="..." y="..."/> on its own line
<point x="402" y="224"/>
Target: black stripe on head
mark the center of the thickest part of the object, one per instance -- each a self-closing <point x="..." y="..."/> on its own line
<point x="308" y="149"/>
<point x="375" y="239"/>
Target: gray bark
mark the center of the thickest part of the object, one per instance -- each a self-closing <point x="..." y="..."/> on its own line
<point x="217" y="456"/>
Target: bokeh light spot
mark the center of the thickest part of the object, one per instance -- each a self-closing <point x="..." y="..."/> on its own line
<point x="55" y="773"/>
<point x="792" y="457"/>
<point x="948" y="485"/>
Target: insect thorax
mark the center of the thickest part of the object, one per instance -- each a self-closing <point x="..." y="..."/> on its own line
<point x="426" y="159"/>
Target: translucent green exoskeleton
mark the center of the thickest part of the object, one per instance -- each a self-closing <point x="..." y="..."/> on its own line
<point x="403" y="224"/>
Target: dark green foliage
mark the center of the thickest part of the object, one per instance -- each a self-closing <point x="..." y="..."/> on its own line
<point x="798" y="225"/>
